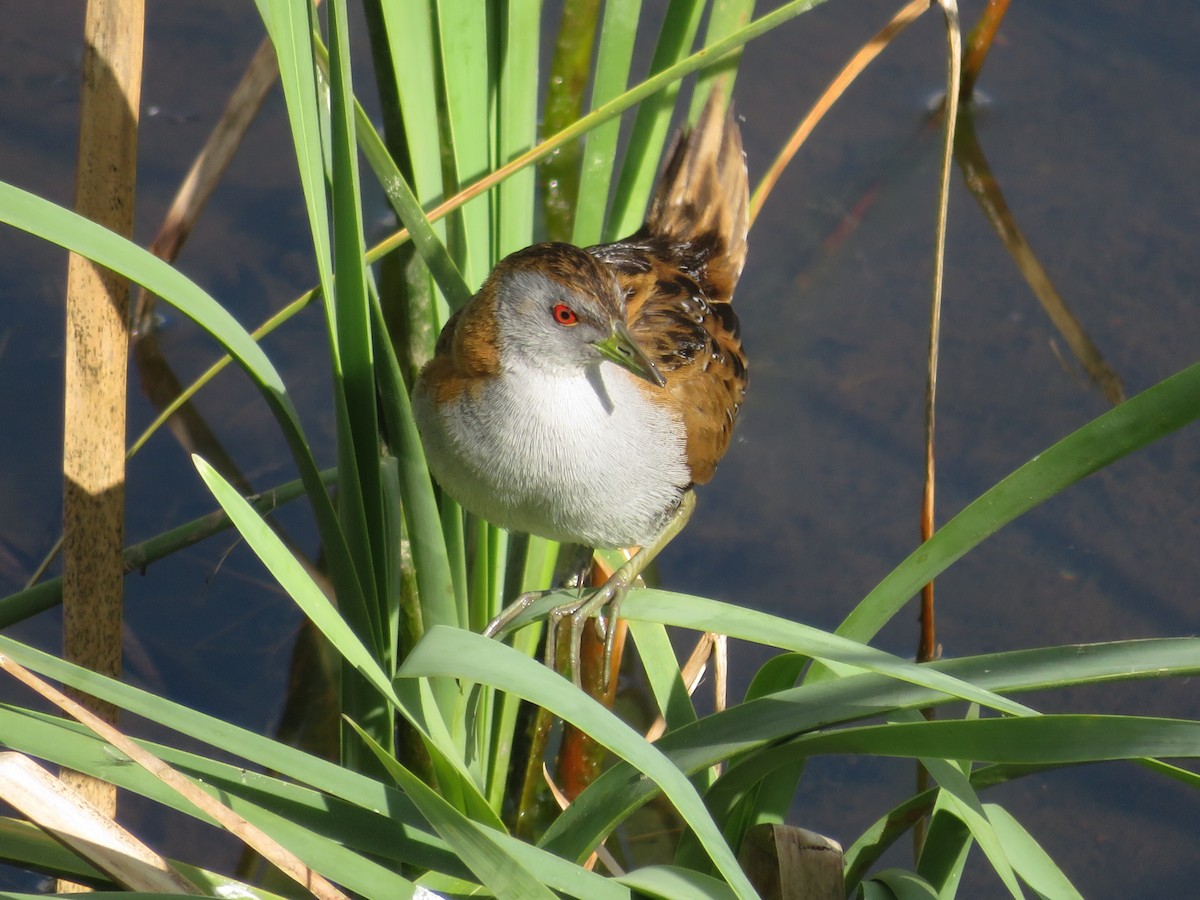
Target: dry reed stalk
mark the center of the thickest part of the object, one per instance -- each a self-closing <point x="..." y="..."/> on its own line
<point x="97" y="357"/>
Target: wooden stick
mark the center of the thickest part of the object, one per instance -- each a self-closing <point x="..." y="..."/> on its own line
<point x="96" y="355"/>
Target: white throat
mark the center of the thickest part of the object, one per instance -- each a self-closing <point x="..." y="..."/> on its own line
<point x="583" y="456"/>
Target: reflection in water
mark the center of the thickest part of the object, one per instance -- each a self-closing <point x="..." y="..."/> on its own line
<point x="978" y="177"/>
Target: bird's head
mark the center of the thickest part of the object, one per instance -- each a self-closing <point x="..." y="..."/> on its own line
<point x="557" y="307"/>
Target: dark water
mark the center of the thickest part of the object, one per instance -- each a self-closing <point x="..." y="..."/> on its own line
<point x="1093" y="128"/>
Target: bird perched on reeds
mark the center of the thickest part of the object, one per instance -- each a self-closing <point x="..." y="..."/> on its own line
<point x="583" y="392"/>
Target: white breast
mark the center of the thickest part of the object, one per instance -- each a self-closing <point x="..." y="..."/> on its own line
<point x="580" y="458"/>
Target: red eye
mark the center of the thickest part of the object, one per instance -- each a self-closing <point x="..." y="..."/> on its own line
<point x="564" y="315"/>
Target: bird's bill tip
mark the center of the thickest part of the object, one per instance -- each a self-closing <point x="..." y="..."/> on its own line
<point x="620" y="347"/>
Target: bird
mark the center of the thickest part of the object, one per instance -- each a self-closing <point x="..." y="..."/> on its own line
<point x="582" y="393"/>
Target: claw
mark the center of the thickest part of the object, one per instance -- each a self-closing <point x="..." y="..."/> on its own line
<point x="510" y="612"/>
<point x="602" y="607"/>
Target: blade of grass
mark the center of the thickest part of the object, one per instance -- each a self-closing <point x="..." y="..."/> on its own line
<point x="59" y="226"/>
<point x="570" y="68"/>
<point x="762" y="722"/>
<point x="662" y="674"/>
<point x="1032" y="863"/>
<point x="1154" y="413"/>
<point x="24" y="843"/>
<point x="675" y="883"/>
<point x="253" y="837"/>
<point x="462" y="39"/>
<point x="359" y="491"/>
<point x="538" y="558"/>
<point x="897" y="884"/>
<point x="958" y="798"/>
<point x="290" y="27"/>
<point x="451" y="652"/>
<point x="726" y="18"/>
<point x="516" y="123"/>
<point x="595" y="164"/>
<point x="942" y="844"/>
<point x="409" y="38"/>
<point x="465" y="58"/>
<point x="436" y="601"/>
<point x="425" y="236"/>
<point x="653" y="120"/>
<point x="419" y="505"/>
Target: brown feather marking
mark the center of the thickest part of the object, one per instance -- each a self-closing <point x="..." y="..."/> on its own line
<point x="678" y="273"/>
<point x="466" y="351"/>
<point x="703" y="195"/>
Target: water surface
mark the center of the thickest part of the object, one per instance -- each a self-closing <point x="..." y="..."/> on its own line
<point x="1093" y="129"/>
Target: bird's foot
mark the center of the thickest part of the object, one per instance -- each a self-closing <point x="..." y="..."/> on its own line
<point x="604" y="604"/>
<point x="577" y="567"/>
<point x="607" y="599"/>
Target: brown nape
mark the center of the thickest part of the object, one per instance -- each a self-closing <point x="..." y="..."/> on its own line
<point x="476" y="344"/>
<point x="466" y="351"/>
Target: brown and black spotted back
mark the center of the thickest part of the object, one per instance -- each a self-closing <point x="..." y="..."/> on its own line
<point x="679" y="272"/>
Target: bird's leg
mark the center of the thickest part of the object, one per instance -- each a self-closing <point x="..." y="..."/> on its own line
<point x="609" y="596"/>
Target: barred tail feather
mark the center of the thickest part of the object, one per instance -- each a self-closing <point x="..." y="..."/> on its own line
<point x="704" y="192"/>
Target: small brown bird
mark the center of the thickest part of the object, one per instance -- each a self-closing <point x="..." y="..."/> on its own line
<point x="581" y="393"/>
